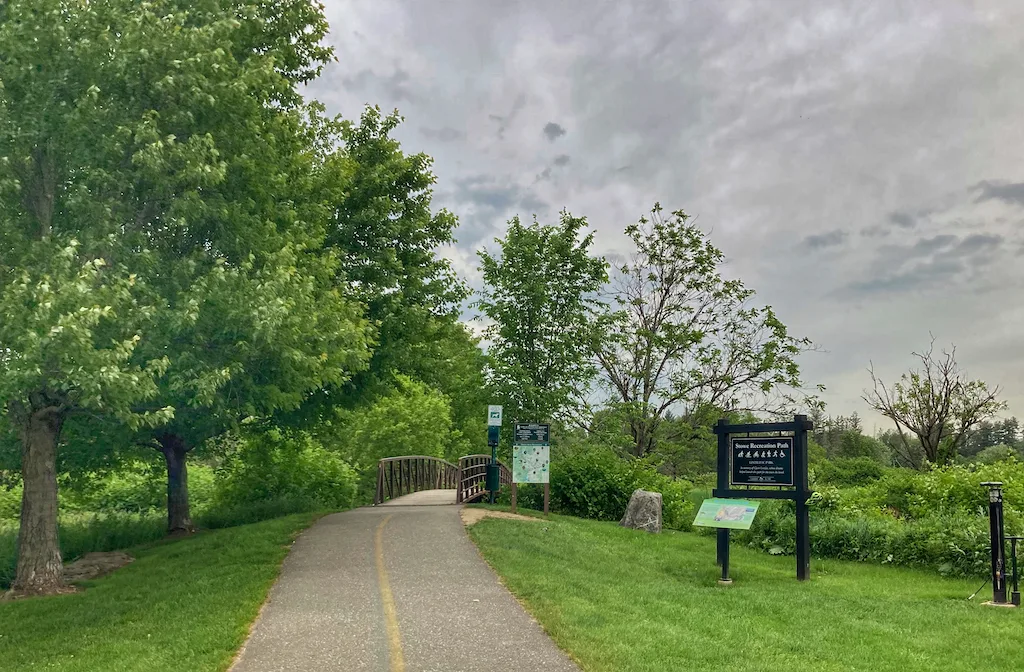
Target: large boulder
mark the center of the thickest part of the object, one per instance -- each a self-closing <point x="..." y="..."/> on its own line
<point x="643" y="512"/>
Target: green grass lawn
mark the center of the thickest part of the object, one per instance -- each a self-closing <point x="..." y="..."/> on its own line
<point x="626" y="601"/>
<point x="182" y="605"/>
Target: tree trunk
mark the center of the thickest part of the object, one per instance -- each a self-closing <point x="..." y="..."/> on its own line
<point x="39" y="570"/>
<point x="179" y="520"/>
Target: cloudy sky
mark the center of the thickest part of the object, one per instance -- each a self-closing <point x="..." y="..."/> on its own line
<point x="860" y="163"/>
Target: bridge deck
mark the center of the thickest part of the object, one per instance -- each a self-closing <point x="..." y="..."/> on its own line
<point x="424" y="498"/>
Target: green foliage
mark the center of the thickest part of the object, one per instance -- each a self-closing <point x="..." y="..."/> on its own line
<point x="539" y="292"/>
<point x="998" y="453"/>
<point x="10" y="502"/>
<point x="935" y="519"/>
<point x="597" y="484"/>
<point x="136" y="486"/>
<point x="277" y="465"/>
<point x="412" y="419"/>
<point x="848" y="471"/>
<point x="385" y="237"/>
<point x="68" y="328"/>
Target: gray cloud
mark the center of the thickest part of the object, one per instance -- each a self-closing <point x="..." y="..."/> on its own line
<point x="395" y="87"/>
<point x="824" y="240"/>
<point x="444" y="134"/>
<point x="562" y="160"/>
<point x="902" y="220"/>
<point x="1008" y="192"/>
<point x="506" y="121"/>
<point x="553" y="131"/>
<point x="766" y="119"/>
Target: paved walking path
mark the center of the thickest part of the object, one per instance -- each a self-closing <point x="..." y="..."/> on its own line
<point x="394" y="589"/>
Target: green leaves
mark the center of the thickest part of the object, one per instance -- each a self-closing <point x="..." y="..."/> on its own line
<point x="69" y="327"/>
<point x="539" y="295"/>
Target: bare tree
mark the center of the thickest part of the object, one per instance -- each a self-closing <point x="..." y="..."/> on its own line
<point x="937" y="403"/>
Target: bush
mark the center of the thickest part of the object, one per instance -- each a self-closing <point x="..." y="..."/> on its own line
<point x="994" y="454"/>
<point x="10" y="502"/>
<point x="935" y="519"/>
<point x="848" y="471"/>
<point x="597" y="484"/>
<point x="279" y="466"/>
<point x="135" y="487"/>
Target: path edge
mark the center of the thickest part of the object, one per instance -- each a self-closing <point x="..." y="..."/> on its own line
<point x="270" y="589"/>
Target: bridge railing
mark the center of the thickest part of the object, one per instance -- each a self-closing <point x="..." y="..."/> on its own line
<point x="473" y="477"/>
<point x="397" y="476"/>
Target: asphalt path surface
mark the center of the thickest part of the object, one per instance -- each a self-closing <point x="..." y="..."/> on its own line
<point x="397" y="588"/>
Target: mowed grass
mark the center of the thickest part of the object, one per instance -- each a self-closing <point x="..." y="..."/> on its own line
<point x="182" y="605"/>
<point x="623" y="600"/>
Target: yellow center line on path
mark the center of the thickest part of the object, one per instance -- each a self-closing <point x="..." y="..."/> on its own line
<point x="390" y="614"/>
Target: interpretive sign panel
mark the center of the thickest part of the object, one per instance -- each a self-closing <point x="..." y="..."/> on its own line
<point x="531" y="463"/>
<point x="734" y="514"/>
<point x="762" y="461"/>
<point x="532" y="434"/>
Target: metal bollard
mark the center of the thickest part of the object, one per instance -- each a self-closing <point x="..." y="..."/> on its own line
<point x="1015" y="596"/>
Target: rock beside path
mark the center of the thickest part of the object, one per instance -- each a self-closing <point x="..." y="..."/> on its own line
<point x="643" y="512"/>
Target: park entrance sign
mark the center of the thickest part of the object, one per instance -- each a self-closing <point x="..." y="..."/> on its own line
<point x="764" y="461"/>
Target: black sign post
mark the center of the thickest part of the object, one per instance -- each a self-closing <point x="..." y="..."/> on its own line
<point x="778" y="461"/>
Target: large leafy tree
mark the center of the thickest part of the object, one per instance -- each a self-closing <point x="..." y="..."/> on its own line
<point x="936" y="403"/>
<point x="387" y="237"/>
<point x="539" y="292"/>
<point x="257" y="314"/>
<point x="168" y="141"/>
<point x="678" y="337"/>
<point x="68" y="330"/>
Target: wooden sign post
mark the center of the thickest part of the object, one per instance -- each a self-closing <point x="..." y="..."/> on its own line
<point x="766" y="455"/>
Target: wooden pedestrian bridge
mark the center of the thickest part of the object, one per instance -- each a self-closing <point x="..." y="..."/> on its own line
<point x="420" y="479"/>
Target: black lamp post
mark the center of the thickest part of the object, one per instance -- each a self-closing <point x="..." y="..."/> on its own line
<point x="995" y="518"/>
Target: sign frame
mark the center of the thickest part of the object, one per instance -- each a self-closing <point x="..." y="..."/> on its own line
<point x="800" y="492"/>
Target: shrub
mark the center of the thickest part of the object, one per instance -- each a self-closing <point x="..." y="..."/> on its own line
<point x="597" y="484"/>
<point x="10" y="502"/>
<point x="284" y="466"/>
<point x="994" y="454"/>
<point x="935" y="519"/>
<point x="848" y="471"/>
<point x="136" y="486"/>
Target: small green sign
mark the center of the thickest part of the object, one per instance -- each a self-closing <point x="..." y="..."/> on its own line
<point x="735" y="514"/>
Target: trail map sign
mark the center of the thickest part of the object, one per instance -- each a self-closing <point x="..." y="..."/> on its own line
<point x="531" y="464"/>
<point x="762" y="461"/>
<point x="771" y="464"/>
<point x="735" y="514"/>
<point x="531" y="453"/>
